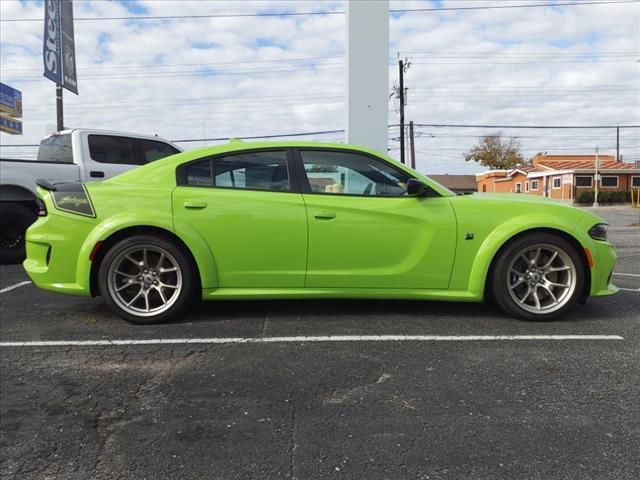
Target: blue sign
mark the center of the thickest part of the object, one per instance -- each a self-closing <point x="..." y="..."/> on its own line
<point x="9" y="125"/>
<point x="58" y="50"/>
<point x="10" y="101"/>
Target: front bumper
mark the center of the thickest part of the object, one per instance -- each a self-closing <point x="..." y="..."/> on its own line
<point x="53" y="244"/>
<point x="604" y="260"/>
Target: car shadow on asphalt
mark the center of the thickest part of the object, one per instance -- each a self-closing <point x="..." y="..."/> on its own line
<point x="319" y="310"/>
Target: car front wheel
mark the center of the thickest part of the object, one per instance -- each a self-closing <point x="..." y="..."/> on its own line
<point x="538" y="277"/>
<point x="146" y="279"/>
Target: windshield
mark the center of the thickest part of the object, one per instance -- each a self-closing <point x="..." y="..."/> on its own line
<point x="56" y="148"/>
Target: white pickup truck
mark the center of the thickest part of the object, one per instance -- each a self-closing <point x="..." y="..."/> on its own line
<point x="69" y="155"/>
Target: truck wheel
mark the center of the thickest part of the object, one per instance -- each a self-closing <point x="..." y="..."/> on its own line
<point x="14" y="221"/>
<point x="146" y="279"/>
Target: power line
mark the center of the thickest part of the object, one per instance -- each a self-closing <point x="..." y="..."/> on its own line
<point x="301" y="14"/>
<point x="322" y="132"/>
<point x="323" y="60"/>
<point x="299" y="134"/>
<point x="190" y="74"/>
<point x="458" y="53"/>
<point x="456" y="125"/>
<point x="209" y="64"/>
<point x="528" y="62"/>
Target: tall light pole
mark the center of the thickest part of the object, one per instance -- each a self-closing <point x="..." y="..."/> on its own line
<point x="596" y="178"/>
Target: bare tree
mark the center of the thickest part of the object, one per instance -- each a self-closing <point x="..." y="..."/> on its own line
<point x="496" y="152"/>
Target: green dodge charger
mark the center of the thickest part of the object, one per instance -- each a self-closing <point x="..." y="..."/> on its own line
<point x="308" y="220"/>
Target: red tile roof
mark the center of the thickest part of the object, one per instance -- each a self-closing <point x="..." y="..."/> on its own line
<point x="456" y="182"/>
<point x="584" y="164"/>
<point x="565" y="158"/>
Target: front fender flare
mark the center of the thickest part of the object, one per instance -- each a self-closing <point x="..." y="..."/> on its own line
<point x="504" y="233"/>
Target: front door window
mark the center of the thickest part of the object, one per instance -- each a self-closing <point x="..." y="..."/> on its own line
<point x="352" y="174"/>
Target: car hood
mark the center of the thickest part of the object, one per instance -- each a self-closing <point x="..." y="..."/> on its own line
<point x="495" y="208"/>
<point x="516" y="198"/>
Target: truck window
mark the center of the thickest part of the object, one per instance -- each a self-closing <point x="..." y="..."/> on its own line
<point x="56" y="148"/>
<point x="152" y="150"/>
<point x="113" y="149"/>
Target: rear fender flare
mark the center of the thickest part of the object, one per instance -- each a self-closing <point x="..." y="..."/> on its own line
<point x="194" y="242"/>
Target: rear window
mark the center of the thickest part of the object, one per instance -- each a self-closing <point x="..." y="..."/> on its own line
<point x="56" y="148"/>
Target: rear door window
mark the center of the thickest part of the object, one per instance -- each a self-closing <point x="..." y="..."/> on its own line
<point x="247" y="171"/>
<point x="253" y="171"/>
<point x="113" y="149"/>
<point x="199" y="174"/>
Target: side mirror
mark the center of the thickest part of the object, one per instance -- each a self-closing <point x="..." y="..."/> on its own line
<point x="415" y="187"/>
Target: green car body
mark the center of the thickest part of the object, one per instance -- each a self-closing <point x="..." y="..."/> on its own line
<point x="254" y="244"/>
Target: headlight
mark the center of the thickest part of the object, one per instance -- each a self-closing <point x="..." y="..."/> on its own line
<point x="599" y="231"/>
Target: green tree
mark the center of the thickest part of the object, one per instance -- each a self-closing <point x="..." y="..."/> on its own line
<point x="496" y="152"/>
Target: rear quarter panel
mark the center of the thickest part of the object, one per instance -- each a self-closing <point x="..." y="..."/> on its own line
<point x="123" y="205"/>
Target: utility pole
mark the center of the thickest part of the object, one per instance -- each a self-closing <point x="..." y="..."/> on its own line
<point x="595" y="179"/>
<point x="59" y="112"/>
<point x="618" y="143"/>
<point x="401" y="68"/>
<point x="412" y="146"/>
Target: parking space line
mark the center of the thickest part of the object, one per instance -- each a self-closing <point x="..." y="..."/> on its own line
<point x="13" y="287"/>
<point x="629" y="289"/>
<point x="307" y="339"/>
<point x="626" y="274"/>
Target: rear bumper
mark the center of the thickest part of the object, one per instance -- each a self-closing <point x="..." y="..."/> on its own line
<point x="53" y="244"/>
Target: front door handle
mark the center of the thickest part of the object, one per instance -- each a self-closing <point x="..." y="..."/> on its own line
<point x="96" y="174"/>
<point x="324" y="215"/>
<point x="195" y="205"/>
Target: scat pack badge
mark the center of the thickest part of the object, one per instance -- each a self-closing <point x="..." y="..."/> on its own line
<point x="73" y="202"/>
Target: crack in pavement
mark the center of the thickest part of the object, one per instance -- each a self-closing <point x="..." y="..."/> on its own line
<point x="148" y="396"/>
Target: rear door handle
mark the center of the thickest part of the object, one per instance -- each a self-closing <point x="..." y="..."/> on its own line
<point x="324" y="215"/>
<point x="195" y="205"/>
<point x="96" y="174"/>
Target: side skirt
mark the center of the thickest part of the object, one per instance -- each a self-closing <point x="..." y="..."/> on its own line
<point x="339" y="293"/>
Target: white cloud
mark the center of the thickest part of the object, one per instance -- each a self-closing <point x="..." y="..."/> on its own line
<point x="286" y="74"/>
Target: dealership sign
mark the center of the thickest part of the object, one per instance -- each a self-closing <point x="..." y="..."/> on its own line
<point x="10" y="125"/>
<point x="10" y="101"/>
<point x="58" y="52"/>
<point x="10" y="109"/>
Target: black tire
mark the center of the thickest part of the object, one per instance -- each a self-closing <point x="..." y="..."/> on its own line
<point x="14" y="221"/>
<point x="111" y="282"/>
<point x="510" y="288"/>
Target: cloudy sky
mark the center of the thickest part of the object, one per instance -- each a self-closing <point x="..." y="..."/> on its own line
<point x="236" y="74"/>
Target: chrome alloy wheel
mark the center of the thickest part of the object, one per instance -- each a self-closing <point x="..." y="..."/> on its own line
<point x="541" y="278"/>
<point x="144" y="280"/>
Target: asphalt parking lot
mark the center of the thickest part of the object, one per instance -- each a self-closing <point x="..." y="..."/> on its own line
<point x="558" y="400"/>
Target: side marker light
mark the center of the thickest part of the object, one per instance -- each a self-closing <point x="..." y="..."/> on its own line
<point x="94" y="251"/>
<point x="589" y="257"/>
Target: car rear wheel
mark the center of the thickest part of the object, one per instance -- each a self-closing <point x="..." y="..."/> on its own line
<point x="538" y="277"/>
<point x="146" y="279"/>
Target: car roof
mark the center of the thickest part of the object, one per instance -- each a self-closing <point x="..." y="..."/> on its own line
<point x="163" y="170"/>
